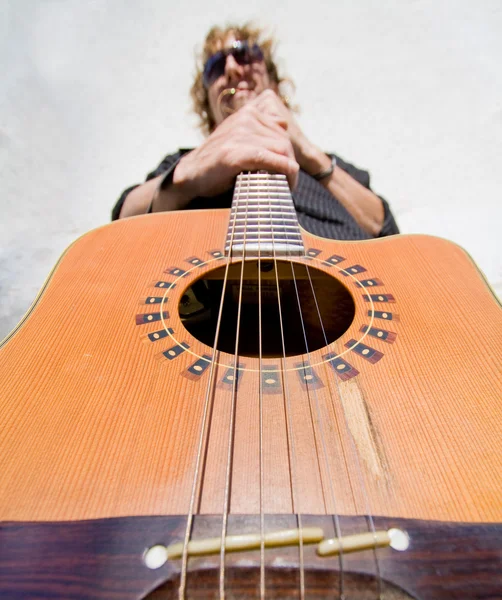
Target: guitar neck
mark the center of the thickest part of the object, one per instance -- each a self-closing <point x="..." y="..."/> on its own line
<point x="263" y="219"/>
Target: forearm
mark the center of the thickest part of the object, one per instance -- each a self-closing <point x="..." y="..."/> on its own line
<point x="248" y="140"/>
<point x="138" y="201"/>
<point x="365" y="207"/>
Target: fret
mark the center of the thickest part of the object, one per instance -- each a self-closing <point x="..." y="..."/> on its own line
<point x="272" y="203"/>
<point x="264" y="175"/>
<point x="263" y="189"/>
<point x="271" y="233"/>
<point x="264" y="240"/>
<point x="280" y="220"/>
<point x="265" y="210"/>
<point x="249" y="194"/>
<point x="259" y="220"/>
<point x="252" y="228"/>
<point x="263" y="219"/>
<point x="273" y="194"/>
<point x="268" y="250"/>
<point x="278" y="214"/>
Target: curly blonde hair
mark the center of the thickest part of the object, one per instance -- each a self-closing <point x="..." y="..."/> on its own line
<point x="213" y="42"/>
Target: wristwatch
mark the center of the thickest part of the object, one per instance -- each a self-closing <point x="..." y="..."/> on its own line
<point x="327" y="172"/>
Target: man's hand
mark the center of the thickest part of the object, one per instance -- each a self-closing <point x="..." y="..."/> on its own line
<point x="251" y="139"/>
<point x="262" y="135"/>
<point x="310" y="158"/>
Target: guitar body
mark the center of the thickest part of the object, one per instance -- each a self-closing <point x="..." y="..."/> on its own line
<point x="102" y="417"/>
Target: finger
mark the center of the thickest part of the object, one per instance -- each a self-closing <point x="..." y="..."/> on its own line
<point x="274" y="118"/>
<point x="274" y="144"/>
<point x="278" y="120"/>
<point x="254" y="123"/>
<point x="274" y="122"/>
<point x="270" y="102"/>
<point x="267" y="160"/>
<point x="269" y="96"/>
<point x="250" y="135"/>
<point x="293" y="180"/>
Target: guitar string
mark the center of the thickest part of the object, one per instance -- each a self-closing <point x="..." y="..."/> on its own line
<point x="262" y="534"/>
<point x="189" y="520"/>
<point x="288" y="418"/>
<point x="260" y="401"/>
<point x="355" y="454"/>
<point x="204" y="433"/>
<point x="335" y="516"/>
<point x="231" y="434"/>
<point x="320" y="420"/>
<point x="333" y="498"/>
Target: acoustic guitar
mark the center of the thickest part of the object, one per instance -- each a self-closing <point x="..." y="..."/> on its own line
<point x="218" y="404"/>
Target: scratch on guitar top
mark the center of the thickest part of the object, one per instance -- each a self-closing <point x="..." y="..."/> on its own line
<point x="363" y="431"/>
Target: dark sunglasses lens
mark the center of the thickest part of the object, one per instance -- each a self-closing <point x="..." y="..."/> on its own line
<point x="215" y="67"/>
<point x="243" y="54"/>
<point x="246" y="55"/>
<point x="256" y="53"/>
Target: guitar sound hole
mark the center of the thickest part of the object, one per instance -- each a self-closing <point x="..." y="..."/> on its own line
<point x="310" y="310"/>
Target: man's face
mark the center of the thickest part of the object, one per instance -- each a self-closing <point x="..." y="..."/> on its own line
<point x="248" y="80"/>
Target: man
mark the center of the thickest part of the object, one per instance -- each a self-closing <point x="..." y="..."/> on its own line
<point x="250" y="127"/>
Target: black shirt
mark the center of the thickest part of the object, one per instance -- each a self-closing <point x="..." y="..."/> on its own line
<point x="319" y="212"/>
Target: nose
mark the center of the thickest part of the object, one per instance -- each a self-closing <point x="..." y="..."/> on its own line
<point x="233" y="70"/>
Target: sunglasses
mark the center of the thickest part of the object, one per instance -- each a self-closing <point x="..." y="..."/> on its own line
<point x="243" y="53"/>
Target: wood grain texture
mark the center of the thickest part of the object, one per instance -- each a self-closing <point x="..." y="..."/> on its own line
<point x="98" y="423"/>
<point x="103" y="559"/>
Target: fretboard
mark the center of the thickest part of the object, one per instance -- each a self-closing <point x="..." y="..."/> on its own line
<point x="263" y="219"/>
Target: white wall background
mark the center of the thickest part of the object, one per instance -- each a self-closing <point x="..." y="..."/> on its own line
<point x="94" y="93"/>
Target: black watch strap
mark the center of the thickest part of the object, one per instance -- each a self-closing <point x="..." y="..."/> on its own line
<point x="327" y="172"/>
